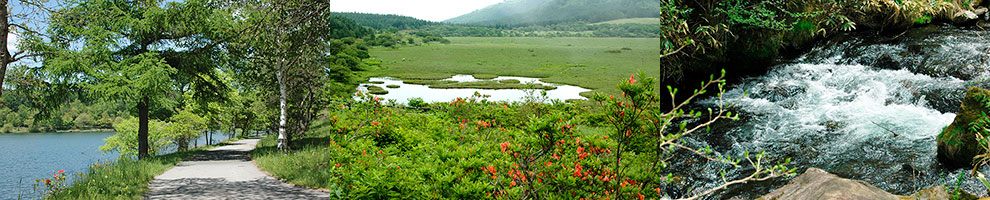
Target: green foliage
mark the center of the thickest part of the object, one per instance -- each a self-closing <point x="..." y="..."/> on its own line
<point x="125" y="141"/>
<point x="124" y="178"/>
<point x="472" y="148"/>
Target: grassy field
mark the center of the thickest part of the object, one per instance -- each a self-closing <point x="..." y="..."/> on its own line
<point x="633" y="21"/>
<point x="593" y="63"/>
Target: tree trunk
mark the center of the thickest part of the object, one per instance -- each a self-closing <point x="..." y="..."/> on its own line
<point x="143" y="128"/>
<point x="283" y="139"/>
<point x="4" y="52"/>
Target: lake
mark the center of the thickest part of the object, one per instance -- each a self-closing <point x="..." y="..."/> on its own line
<point x="26" y="157"/>
<point x="406" y="91"/>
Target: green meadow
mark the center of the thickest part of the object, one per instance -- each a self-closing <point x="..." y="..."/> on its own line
<point x="593" y="63"/>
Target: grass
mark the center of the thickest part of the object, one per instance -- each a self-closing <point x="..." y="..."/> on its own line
<point x="574" y="61"/>
<point x="125" y="178"/>
<point x="376" y="90"/>
<point x="485" y="76"/>
<point x="632" y="21"/>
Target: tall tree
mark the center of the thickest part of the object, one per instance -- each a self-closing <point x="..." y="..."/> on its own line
<point x="143" y="52"/>
<point x="21" y="20"/>
<point x="288" y="53"/>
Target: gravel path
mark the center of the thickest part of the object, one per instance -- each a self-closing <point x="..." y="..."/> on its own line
<point x="224" y="172"/>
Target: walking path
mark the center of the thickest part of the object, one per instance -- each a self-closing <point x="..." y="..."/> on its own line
<point x="224" y="172"/>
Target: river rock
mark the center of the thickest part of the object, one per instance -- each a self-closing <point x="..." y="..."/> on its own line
<point x="817" y="184"/>
<point x="956" y="144"/>
<point x="940" y="192"/>
<point x="964" y="16"/>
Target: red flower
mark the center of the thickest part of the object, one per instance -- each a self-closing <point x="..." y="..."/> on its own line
<point x="48" y="181"/>
<point x="641" y="196"/>
<point x="504" y="146"/>
<point x="374" y="123"/>
<point x="513" y="184"/>
<point x="61" y="171"/>
<point x="632" y="79"/>
<point x="658" y="191"/>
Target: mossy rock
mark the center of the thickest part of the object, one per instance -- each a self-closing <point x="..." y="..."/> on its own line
<point x="956" y="144"/>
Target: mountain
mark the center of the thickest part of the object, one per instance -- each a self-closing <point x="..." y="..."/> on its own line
<point x="543" y="12"/>
<point x="383" y="22"/>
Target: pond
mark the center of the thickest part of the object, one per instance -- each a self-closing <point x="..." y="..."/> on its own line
<point x="406" y="91"/>
<point x="26" y="157"/>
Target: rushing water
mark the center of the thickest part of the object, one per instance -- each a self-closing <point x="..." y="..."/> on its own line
<point x="866" y="108"/>
<point x="27" y="157"/>
<point x="407" y="91"/>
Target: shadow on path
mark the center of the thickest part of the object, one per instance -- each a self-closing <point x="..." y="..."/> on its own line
<point x="225" y="172"/>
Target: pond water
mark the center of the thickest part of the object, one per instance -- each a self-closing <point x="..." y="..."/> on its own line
<point x="26" y="157"/>
<point x="407" y="91"/>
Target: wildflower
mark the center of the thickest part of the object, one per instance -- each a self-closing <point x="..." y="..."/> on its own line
<point x="338" y="165"/>
<point x="632" y="79"/>
<point x="48" y="181"/>
<point x="374" y="123"/>
<point x="61" y="171"/>
<point x="658" y="191"/>
<point x="513" y="184"/>
<point x="641" y="196"/>
<point x="504" y="145"/>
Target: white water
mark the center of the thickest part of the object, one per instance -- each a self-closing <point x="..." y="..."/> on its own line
<point x="407" y="91"/>
<point x="839" y="108"/>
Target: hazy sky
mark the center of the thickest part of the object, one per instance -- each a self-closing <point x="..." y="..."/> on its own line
<point x="433" y="10"/>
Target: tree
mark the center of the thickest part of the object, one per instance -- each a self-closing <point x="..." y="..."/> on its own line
<point x="290" y="40"/>
<point x="31" y="9"/>
<point x="140" y="53"/>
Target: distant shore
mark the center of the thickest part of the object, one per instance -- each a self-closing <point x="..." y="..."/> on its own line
<point x="23" y="130"/>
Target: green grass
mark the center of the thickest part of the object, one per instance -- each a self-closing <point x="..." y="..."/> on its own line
<point x="633" y="21"/>
<point x="125" y="178"/>
<point x="376" y="90"/>
<point x="574" y="61"/>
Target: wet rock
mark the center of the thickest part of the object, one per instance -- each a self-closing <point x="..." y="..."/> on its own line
<point x="817" y="184"/>
<point x="956" y="144"/>
<point x="964" y="16"/>
<point x="938" y="193"/>
<point x="980" y="11"/>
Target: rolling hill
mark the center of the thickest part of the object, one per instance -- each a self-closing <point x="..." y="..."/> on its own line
<point x="544" y="12"/>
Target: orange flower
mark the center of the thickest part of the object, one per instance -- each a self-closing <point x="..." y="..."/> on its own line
<point x="504" y="146"/>
<point x="374" y="123"/>
<point x="632" y="79"/>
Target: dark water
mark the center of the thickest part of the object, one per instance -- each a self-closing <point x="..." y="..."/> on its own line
<point x="832" y="109"/>
<point x="27" y="157"/>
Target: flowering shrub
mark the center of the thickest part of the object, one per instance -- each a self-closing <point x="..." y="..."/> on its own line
<point x="48" y="187"/>
<point x="471" y="148"/>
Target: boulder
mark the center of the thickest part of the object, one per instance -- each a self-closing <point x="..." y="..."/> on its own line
<point x="940" y="192"/>
<point x="956" y="144"/>
<point x="817" y="184"/>
<point x="964" y="16"/>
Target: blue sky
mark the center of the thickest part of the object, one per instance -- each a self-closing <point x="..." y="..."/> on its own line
<point x="433" y="10"/>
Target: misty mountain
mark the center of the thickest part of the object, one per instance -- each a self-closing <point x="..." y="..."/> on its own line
<point x="543" y="12"/>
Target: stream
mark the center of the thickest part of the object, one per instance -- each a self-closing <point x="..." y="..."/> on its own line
<point x="861" y="107"/>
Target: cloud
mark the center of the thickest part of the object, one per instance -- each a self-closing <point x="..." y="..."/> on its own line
<point x="12" y="40"/>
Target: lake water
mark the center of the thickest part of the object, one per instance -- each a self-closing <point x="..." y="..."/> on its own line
<point x="26" y="157"/>
<point x="407" y="91"/>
